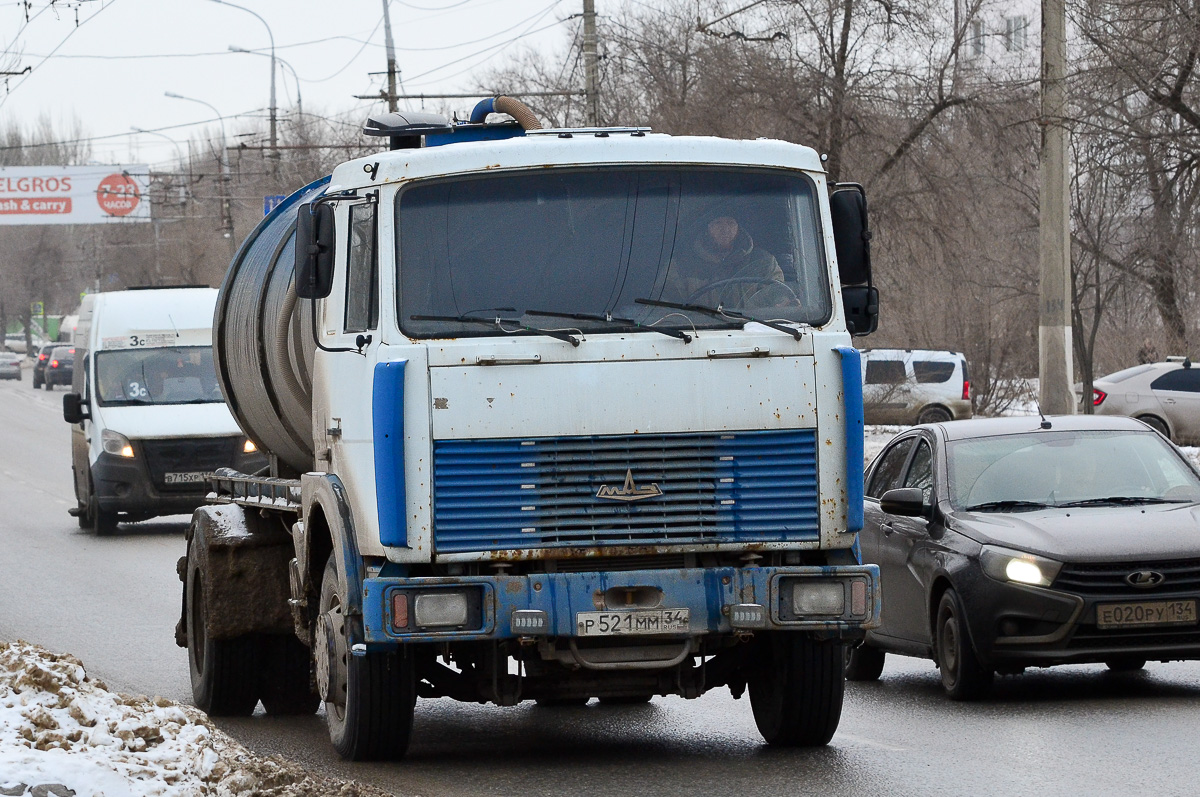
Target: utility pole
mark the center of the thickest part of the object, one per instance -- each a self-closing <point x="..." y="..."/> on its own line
<point x="391" y="58"/>
<point x="591" y="64"/>
<point x="1055" y="369"/>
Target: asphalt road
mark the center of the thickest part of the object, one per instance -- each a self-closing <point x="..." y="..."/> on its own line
<point x="114" y="601"/>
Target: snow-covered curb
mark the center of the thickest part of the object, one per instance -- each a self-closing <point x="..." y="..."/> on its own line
<point x="58" y="727"/>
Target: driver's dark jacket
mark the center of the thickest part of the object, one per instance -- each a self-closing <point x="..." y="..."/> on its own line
<point x="702" y="265"/>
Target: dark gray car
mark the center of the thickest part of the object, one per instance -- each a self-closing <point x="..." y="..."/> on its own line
<point x="1009" y="543"/>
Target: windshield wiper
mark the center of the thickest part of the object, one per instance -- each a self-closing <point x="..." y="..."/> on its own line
<point x="498" y="324"/>
<point x="629" y="325"/>
<point x="721" y="312"/>
<point x="1002" y="506"/>
<point x="1125" y="500"/>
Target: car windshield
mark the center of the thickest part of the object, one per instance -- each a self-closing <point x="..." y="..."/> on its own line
<point x="580" y="247"/>
<point x="166" y="375"/>
<point x="1067" y="468"/>
<point x="63" y="355"/>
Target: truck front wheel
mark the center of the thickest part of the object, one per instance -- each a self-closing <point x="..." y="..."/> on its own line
<point x="225" y="672"/>
<point x="369" y="698"/>
<point x="796" y="687"/>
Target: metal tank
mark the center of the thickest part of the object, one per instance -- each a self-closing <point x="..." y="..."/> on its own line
<point x="263" y="343"/>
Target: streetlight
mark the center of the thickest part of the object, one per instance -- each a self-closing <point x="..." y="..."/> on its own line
<point x="224" y="140"/>
<point x="174" y="143"/>
<point x="223" y="159"/>
<point x="274" y="140"/>
<point x="233" y="48"/>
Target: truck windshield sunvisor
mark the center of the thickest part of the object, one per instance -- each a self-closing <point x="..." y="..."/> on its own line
<point x="158" y="375"/>
<point x="590" y="242"/>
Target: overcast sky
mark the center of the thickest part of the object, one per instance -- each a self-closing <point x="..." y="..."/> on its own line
<point x="108" y="63"/>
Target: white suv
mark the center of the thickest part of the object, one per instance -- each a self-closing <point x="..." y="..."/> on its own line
<point x="905" y="386"/>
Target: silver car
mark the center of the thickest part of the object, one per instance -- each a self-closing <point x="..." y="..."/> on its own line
<point x="1165" y="396"/>
<point x="10" y="365"/>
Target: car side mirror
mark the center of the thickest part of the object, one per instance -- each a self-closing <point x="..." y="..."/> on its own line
<point x="74" y="408"/>
<point x="904" y="501"/>
<point x="314" y="250"/>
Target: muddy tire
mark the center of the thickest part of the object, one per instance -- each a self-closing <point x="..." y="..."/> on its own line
<point x="369" y="699"/>
<point x="286" y="687"/>
<point x="963" y="676"/>
<point x="796" y="689"/>
<point x="864" y="663"/>
<point x="225" y="672"/>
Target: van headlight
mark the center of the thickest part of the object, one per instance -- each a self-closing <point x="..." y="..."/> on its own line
<point x="1003" y="564"/>
<point x="116" y="443"/>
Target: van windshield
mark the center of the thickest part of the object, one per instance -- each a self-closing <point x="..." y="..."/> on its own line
<point x="576" y="248"/>
<point x="161" y="375"/>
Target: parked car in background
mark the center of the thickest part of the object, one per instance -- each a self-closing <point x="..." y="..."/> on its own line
<point x="60" y="368"/>
<point x="39" y="365"/>
<point x="907" y="386"/>
<point x="1165" y="396"/>
<point x="10" y="365"/>
<point x="1009" y="543"/>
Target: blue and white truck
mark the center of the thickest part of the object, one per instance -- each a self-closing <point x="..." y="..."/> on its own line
<point x="552" y="415"/>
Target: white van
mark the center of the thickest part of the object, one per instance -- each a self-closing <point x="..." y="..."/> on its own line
<point x="906" y="386"/>
<point x="149" y="421"/>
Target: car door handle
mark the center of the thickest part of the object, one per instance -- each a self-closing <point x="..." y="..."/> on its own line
<point x="886" y="528"/>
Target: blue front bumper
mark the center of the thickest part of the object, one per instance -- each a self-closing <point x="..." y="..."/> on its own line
<point x="707" y="593"/>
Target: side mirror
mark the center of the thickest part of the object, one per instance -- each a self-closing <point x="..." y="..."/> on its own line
<point x="74" y="409"/>
<point x="314" y="250"/>
<point x="904" y="501"/>
<point x="852" y="242"/>
<point x="861" y="303"/>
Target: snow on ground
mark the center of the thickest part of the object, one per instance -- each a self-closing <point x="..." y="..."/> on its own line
<point x="63" y="733"/>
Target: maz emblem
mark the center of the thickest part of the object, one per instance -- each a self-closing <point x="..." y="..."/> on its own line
<point x="1145" y="579"/>
<point x="629" y="491"/>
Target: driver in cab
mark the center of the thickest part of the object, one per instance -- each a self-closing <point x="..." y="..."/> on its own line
<point x="722" y="266"/>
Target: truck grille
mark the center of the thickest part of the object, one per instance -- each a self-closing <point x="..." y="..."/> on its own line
<point x="686" y="489"/>
<point x="1180" y="575"/>
<point x="190" y="455"/>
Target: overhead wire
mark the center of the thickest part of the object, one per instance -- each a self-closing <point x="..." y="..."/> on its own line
<point x="65" y="39"/>
<point x="488" y="49"/>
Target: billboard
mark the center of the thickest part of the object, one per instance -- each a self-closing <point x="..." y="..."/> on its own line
<point x="74" y="194"/>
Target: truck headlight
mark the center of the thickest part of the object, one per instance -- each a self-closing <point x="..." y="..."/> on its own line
<point x="1003" y="564"/>
<point x="818" y="597"/>
<point x="437" y="609"/>
<point x="116" y="443"/>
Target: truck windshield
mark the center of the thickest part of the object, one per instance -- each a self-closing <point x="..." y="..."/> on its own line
<point x="590" y="242"/>
<point x="161" y="375"/>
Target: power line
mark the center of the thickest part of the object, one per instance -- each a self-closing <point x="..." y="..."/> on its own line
<point x="65" y="39"/>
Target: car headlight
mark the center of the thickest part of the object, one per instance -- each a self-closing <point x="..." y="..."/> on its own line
<point x="248" y="447"/>
<point x="116" y="443"/>
<point x="1022" y="568"/>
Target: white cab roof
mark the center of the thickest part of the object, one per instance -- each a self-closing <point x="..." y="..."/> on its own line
<point x="580" y="149"/>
